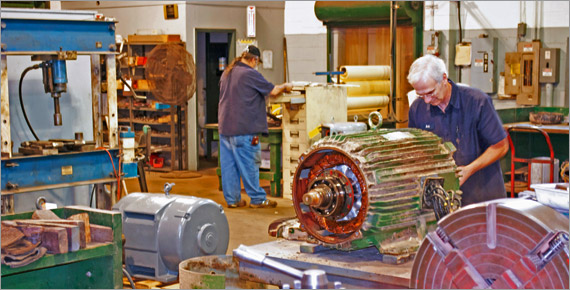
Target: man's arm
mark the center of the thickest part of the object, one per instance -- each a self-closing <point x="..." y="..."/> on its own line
<point x="277" y="90"/>
<point x="492" y="154"/>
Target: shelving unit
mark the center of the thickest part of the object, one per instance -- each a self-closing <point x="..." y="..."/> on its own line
<point x="167" y="123"/>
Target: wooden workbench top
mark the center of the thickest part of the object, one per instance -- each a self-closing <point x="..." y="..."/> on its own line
<point x="550" y="129"/>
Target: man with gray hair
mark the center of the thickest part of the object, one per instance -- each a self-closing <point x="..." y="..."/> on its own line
<point x="466" y="117"/>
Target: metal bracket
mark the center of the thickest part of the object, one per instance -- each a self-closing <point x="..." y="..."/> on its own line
<point x="7" y="204"/>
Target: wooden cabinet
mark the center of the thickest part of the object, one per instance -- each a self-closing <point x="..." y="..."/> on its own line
<point x="167" y="123"/>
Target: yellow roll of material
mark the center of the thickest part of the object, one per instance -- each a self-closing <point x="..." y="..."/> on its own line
<point x="377" y="87"/>
<point x="365" y="112"/>
<point x="364" y="72"/>
<point x="362" y="102"/>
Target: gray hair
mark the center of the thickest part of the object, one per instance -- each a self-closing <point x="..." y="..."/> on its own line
<point x="427" y="66"/>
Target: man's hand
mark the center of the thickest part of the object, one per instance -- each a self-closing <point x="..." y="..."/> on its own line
<point x="277" y="90"/>
<point x="492" y="154"/>
<point x="464" y="173"/>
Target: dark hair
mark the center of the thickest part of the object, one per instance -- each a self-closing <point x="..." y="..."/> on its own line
<point x="245" y="55"/>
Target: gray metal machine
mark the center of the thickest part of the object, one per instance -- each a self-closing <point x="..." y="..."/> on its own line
<point x="161" y="230"/>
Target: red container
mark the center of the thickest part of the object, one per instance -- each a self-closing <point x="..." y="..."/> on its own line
<point x="156" y="162"/>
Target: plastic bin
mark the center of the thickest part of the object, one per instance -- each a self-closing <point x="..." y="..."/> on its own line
<point x="548" y="194"/>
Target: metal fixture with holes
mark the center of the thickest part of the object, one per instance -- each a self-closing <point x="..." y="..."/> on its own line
<point x="163" y="230"/>
<point x="359" y="190"/>
<point x="500" y="244"/>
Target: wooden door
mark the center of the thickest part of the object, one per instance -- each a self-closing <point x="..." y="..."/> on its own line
<point x="371" y="46"/>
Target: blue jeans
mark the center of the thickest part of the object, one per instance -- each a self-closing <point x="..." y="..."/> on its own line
<point x="238" y="158"/>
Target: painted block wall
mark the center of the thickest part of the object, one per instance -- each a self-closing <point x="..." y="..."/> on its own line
<point x="548" y="20"/>
<point x="135" y="15"/>
<point x="306" y="42"/>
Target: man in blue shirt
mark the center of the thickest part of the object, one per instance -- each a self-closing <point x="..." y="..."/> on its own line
<point x="466" y="117"/>
<point x="242" y="117"/>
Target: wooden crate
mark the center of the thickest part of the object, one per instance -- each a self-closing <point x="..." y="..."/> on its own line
<point x="322" y="105"/>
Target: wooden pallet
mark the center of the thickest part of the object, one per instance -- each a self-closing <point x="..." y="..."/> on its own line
<point x="149" y="284"/>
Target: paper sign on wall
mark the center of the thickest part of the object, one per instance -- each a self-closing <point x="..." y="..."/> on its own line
<point x="250" y="21"/>
<point x="267" y="56"/>
<point x="463" y="54"/>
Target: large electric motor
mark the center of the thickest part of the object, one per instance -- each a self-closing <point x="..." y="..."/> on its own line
<point x="163" y="230"/>
<point x="367" y="189"/>
<point x="500" y="244"/>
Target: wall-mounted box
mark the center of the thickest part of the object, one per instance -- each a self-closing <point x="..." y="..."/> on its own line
<point x="483" y="59"/>
<point x="549" y="65"/>
<point x="530" y="87"/>
<point x="512" y="73"/>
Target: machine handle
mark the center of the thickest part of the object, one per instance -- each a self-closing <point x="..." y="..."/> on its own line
<point x="309" y="279"/>
<point x="244" y="254"/>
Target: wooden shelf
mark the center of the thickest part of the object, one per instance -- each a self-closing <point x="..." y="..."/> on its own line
<point x="162" y="169"/>
<point x="161" y="149"/>
<point x="146" y="109"/>
<point x="164" y="132"/>
<point x="143" y="122"/>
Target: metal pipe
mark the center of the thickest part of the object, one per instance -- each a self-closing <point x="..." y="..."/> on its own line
<point x="549" y="94"/>
<point x="393" y="23"/>
<point x="536" y="23"/>
<point x="244" y="254"/>
<point x="57" y="113"/>
<point x="432" y="16"/>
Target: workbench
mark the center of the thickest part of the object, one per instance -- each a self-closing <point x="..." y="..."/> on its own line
<point x="274" y="174"/>
<point x="355" y="269"/>
<point x="550" y="129"/>
<point x="98" y="266"/>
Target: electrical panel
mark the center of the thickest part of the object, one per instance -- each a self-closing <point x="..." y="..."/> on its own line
<point x="512" y="73"/>
<point x="530" y="87"/>
<point x="549" y="65"/>
<point x="483" y="59"/>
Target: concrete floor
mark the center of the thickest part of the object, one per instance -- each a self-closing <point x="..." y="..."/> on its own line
<point x="248" y="226"/>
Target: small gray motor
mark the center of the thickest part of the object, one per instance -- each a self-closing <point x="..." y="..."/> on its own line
<point x="163" y="230"/>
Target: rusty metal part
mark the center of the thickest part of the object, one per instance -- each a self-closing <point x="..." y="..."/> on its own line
<point x="358" y="190"/>
<point x="506" y="243"/>
<point x="435" y="197"/>
<point x="55" y="146"/>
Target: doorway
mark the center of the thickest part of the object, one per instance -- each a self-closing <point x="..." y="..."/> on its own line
<point x="215" y="49"/>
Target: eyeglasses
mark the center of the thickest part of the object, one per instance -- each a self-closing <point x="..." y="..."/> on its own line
<point x="430" y="93"/>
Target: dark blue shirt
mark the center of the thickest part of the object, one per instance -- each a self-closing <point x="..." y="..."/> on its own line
<point x="241" y="110"/>
<point x="471" y="123"/>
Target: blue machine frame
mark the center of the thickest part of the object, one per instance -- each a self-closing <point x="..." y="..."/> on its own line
<point x="48" y="32"/>
<point x="31" y="173"/>
<point x="35" y="35"/>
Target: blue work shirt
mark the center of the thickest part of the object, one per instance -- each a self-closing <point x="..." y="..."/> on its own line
<point x="471" y="123"/>
<point x="241" y="110"/>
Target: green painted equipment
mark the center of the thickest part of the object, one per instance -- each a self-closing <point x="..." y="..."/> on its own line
<point x="375" y="189"/>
